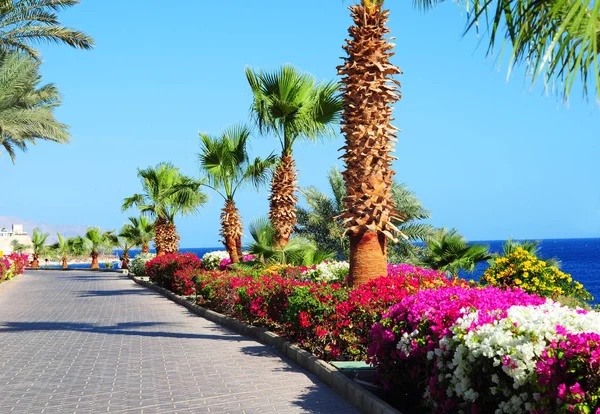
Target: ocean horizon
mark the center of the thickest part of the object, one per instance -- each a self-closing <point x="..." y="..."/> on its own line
<point x="580" y="257"/>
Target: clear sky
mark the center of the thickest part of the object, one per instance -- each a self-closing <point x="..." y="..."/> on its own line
<point x="495" y="159"/>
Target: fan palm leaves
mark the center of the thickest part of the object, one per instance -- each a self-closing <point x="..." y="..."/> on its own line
<point x="97" y="241"/>
<point x="140" y="230"/>
<point x="291" y="105"/>
<point x="531" y="246"/>
<point x="26" y="109"/>
<point x="166" y="194"/>
<point x="128" y="238"/>
<point x="298" y="252"/>
<point x="38" y="244"/>
<point x="225" y="162"/>
<point x="448" y="251"/>
<point x="64" y="249"/>
<point x="23" y="22"/>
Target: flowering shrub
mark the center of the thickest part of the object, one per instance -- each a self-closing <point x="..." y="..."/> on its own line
<point x="12" y="265"/>
<point x="524" y="270"/>
<point x="165" y="271"/>
<point x="225" y="262"/>
<point x="330" y="272"/>
<point x="212" y="260"/>
<point x="138" y="265"/>
<point x="488" y="350"/>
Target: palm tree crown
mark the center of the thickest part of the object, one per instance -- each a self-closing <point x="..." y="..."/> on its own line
<point x="33" y="21"/>
<point x="26" y="109"/>
<point x="140" y="231"/>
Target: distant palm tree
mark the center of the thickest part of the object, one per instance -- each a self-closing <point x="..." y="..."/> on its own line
<point x="227" y="166"/>
<point x="17" y="246"/>
<point x="97" y="242"/>
<point x="128" y="239"/>
<point x="26" y="109"/>
<point x="141" y="232"/>
<point x="23" y="22"/>
<point x="291" y="105"/>
<point x="531" y="246"/>
<point x="299" y="251"/>
<point x="38" y="241"/>
<point x="166" y="193"/>
<point x="320" y="222"/>
<point x="448" y="251"/>
<point x="64" y="248"/>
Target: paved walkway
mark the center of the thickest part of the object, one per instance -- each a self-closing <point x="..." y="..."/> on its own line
<point x="82" y="342"/>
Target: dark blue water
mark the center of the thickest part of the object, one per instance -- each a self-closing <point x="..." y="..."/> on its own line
<point x="579" y="257"/>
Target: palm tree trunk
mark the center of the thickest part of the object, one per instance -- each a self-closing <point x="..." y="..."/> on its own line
<point x="125" y="261"/>
<point x="95" y="264"/>
<point x="283" y="200"/>
<point x="368" y="257"/>
<point x="238" y="246"/>
<point x="369" y="93"/>
<point x="231" y="229"/>
<point x="170" y="239"/>
<point x="159" y="236"/>
<point x="35" y="264"/>
<point x="145" y="248"/>
<point x="64" y="263"/>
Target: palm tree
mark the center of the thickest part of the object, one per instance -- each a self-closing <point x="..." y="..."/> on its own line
<point x="448" y="251"/>
<point x="321" y="224"/>
<point x="370" y="90"/>
<point x="291" y="105"/>
<point x="23" y="22"/>
<point x="129" y="238"/>
<point x="141" y="232"/>
<point x="64" y="248"/>
<point x="26" y="109"/>
<point x="38" y="241"/>
<point x="227" y="166"/>
<point x="97" y="242"/>
<point x="531" y="246"/>
<point x="299" y="251"/>
<point x="17" y="246"/>
<point x="166" y="193"/>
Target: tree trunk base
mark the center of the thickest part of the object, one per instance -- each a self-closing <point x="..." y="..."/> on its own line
<point x="64" y="264"/>
<point x="95" y="264"/>
<point x="368" y="257"/>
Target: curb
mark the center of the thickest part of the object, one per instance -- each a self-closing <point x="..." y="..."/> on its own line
<point x="360" y="398"/>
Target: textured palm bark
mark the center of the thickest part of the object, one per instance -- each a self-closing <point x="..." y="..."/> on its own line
<point x="145" y="248"/>
<point x="238" y="245"/>
<point x="231" y="229"/>
<point x="64" y="263"/>
<point x="166" y="238"/>
<point x="369" y="93"/>
<point x="95" y="264"/>
<point x="158" y="236"/>
<point x="283" y="200"/>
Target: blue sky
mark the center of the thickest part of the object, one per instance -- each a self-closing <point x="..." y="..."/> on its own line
<point x="495" y="159"/>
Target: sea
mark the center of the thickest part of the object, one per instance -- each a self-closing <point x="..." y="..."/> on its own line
<point x="579" y="257"/>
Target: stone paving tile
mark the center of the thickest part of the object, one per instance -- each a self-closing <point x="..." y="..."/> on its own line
<point x="83" y="342"/>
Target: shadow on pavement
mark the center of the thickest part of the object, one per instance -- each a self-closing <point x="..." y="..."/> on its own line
<point x="119" y="292"/>
<point x="125" y="328"/>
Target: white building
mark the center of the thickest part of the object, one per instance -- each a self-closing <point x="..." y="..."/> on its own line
<point x="16" y="233"/>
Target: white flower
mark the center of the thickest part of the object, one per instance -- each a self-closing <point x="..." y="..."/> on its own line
<point x="330" y="272"/>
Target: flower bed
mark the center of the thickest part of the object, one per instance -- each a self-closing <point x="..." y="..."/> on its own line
<point x="138" y="264"/>
<point x="168" y="271"/>
<point x="12" y="265"/>
<point x="490" y="350"/>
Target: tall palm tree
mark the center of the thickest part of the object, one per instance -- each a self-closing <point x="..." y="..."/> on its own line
<point x="64" y="248"/>
<point x="38" y="242"/>
<point x="448" y="251"/>
<point x="291" y="105"/>
<point x="227" y="166"/>
<point x="97" y="242"/>
<point x="26" y="109"/>
<point x="23" y="22"/>
<point x="166" y="193"/>
<point x="370" y="90"/>
<point x="140" y="231"/>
